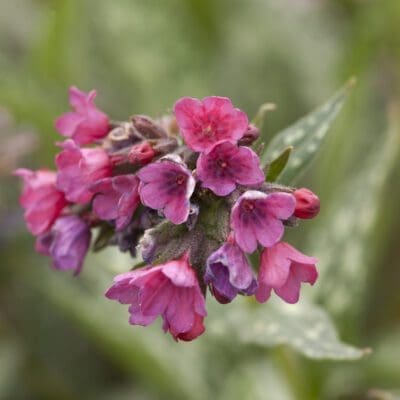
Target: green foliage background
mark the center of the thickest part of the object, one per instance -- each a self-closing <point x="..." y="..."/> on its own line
<point x="59" y="337"/>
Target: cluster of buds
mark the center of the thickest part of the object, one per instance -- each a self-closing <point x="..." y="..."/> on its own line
<point x="186" y="192"/>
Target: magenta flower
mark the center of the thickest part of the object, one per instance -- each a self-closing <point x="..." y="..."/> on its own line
<point x="40" y="199"/>
<point x="167" y="185"/>
<point x="66" y="243"/>
<point x="78" y="169"/>
<point x="257" y="217"/>
<point x="227" y="165"/>
<point x="86" y="123"/>
<point x="283" y="268"/>
<point x="116" y="199"/>
<point x="204" y="123"/>
<point x="170" y="290"/>
<point x="228" y="273"/>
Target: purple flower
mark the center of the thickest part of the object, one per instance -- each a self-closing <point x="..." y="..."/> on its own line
<point x="116" y="199"/>
<point x="204" y="123"/>
<point x="227" y="165"/>
<point x="283" y="268"/>
<point x="257" y="217"/>
<point x="167" y="185"/>
<point x="78" y="169"/>
<point x="229" y="273"/>
<point x="170" y="290"/>
<point x="40" y="199"/>
<point x="66" y="243"/>
<point x="86" y="123"/>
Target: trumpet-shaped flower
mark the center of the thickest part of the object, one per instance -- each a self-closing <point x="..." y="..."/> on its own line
<point x="40" y="199"/>
<point x="169" y="290"/>
<point x="283" y="269"/>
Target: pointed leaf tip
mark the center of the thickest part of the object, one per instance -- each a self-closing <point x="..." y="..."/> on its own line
<point x="306" y="135"/>
<point x="278" y="165"/>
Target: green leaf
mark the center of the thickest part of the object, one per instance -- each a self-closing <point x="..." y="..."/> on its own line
<point x="304" y="327"/>
<point x="278" y="165"/>
<point x="306" y="136"/>
<point x="348" y="251"/>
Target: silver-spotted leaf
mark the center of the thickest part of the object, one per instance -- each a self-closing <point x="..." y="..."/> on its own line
<point x="305" y="327"/>
<point x="306" y="136"/>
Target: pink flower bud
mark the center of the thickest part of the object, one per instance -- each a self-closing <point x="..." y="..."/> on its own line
<point x="307" y="204"/>
<point x="250" y="136"/>
<point x="141" y="154"/>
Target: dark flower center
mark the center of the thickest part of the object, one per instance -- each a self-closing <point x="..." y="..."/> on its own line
<point x="180" y="179"/>
<point x="248" y="205"/>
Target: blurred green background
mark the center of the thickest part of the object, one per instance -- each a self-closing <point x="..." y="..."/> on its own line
<point x="59" y="337"/>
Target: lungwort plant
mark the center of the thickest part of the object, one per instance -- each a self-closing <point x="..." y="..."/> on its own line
<point x="202" y="200"/>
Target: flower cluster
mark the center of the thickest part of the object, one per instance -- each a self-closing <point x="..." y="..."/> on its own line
<point x="187" y="191"/>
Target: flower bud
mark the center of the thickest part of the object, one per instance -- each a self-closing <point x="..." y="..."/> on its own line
<point x="148" y="127"/>
<point x="250" y="136"/>
<point x="141" y="154"/>
<point x="307" y="204"/>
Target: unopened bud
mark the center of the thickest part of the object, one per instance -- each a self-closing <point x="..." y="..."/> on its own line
<point x="250" y="136"/>
<point x="307" y="204"/>
<point x="148" y="127"/>
<point x="141" y="154"/>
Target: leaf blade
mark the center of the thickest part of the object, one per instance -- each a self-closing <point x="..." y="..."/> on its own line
<point x="306" y="135"/>
<point x="305" y="327"/>
<point x="278" y="165"/>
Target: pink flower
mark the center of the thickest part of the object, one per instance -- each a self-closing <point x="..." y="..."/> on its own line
<point x="257" y="217"/>
<point x="283" y="269"/>
<point x="40" y="198"/>
<point x="227" y="165"/>
<point x="228" y="273"/>
<point x="204" y="123"/>
<point x="67" y="243"/>
<point x="167" y="185"/>
<point x="307" y="204"/>
<point x="87" y="123"/>
<point x="170" y="290"/>
<point x="78" y="169"/>
<point x="116" y="199"/>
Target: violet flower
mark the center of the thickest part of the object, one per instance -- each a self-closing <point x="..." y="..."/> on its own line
<point x="227" y="165"/>
<point x="116" y="199"/>
<point x="257" y="217"/>
<point x="66" y="243"/>
<point x="228" y="273"/>
<point x="167" y="185"/>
